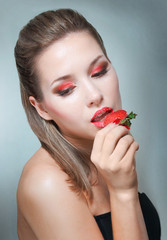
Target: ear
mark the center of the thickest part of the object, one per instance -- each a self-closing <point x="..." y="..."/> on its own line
<point x="40" y="108"/>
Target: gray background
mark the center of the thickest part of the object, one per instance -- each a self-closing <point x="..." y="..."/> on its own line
<point x="135" y="35"/>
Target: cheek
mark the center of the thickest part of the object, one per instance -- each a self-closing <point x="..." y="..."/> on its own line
<point x="62" y="111"/>
<point x="112" y="85"/>
<point x="111" y="90"/>
<point x="54" y="108"/>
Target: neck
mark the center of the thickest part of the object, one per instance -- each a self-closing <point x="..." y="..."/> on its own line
<point x="84" y="145"/>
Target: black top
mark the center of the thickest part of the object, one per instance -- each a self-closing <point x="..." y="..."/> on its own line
<point x="150" y="216"/>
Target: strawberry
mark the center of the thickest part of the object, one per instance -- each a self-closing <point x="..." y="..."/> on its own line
<point x="120" y="117"/>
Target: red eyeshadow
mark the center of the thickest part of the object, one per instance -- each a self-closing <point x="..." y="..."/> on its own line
<point x="97" y="69"/>
<point x="65" y="85"/>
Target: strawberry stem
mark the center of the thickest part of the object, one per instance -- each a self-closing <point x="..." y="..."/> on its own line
<point x="126" y="121"/>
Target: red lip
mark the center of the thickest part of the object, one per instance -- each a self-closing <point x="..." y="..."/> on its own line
<point x="99" y="116"/>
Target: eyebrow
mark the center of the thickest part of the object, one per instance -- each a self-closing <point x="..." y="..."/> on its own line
<point x="65" y="77"/>
<point x="93" y="62"/>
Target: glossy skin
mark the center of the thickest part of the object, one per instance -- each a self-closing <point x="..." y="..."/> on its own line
<point x="47" y="208"/>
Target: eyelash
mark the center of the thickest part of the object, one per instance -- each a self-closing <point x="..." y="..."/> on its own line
<point x="65" y="92"/>
<point x="100" y="73"/>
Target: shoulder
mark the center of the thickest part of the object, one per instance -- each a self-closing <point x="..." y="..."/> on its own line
<point x="41" y="176"/>
<point x="45" y="199"/>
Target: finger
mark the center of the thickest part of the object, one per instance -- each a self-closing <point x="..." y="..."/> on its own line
<point x="100" y="136"/>
<point x="112" y="138"/>
<point x="122" y="147"/>
<point x="129" y="158"/>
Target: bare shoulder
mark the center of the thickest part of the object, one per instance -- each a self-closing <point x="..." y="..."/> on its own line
<point x="50" y="206"/>
<point x="40" y="176"/>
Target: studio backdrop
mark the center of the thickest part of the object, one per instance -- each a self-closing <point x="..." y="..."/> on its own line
<point x="135" y="36"/>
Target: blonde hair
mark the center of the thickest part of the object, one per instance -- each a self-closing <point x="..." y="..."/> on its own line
<point x="38" y="34"/>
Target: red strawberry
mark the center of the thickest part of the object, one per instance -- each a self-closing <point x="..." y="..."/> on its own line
<point x="120" y="117"/>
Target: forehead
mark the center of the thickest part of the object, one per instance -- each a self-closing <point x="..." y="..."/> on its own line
<point x="72" y="50"/>
<point x="73" y="45"/>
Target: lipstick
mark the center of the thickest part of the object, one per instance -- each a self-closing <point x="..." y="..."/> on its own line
<point x="98" y="117"/>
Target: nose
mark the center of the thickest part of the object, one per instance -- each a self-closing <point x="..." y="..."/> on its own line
<point x="93" y="95"/>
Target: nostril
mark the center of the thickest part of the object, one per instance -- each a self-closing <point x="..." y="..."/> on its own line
<point x="95" y="99"/>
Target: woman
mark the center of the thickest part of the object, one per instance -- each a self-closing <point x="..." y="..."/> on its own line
<point x="83" y="177"/>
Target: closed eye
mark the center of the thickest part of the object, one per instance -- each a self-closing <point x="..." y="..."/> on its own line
<point x="65" y="88"/>
<point x="100" y="73"/>
<point x="66" y="91"/>
<point x="100" y="70"/>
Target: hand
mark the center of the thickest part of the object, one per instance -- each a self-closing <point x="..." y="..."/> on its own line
<point x="113" y="154"/>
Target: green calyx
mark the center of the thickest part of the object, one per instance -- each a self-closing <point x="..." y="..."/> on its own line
<point x="127" y="121"/>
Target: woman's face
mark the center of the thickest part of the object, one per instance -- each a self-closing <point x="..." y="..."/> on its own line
<point x="76" y="80"/>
